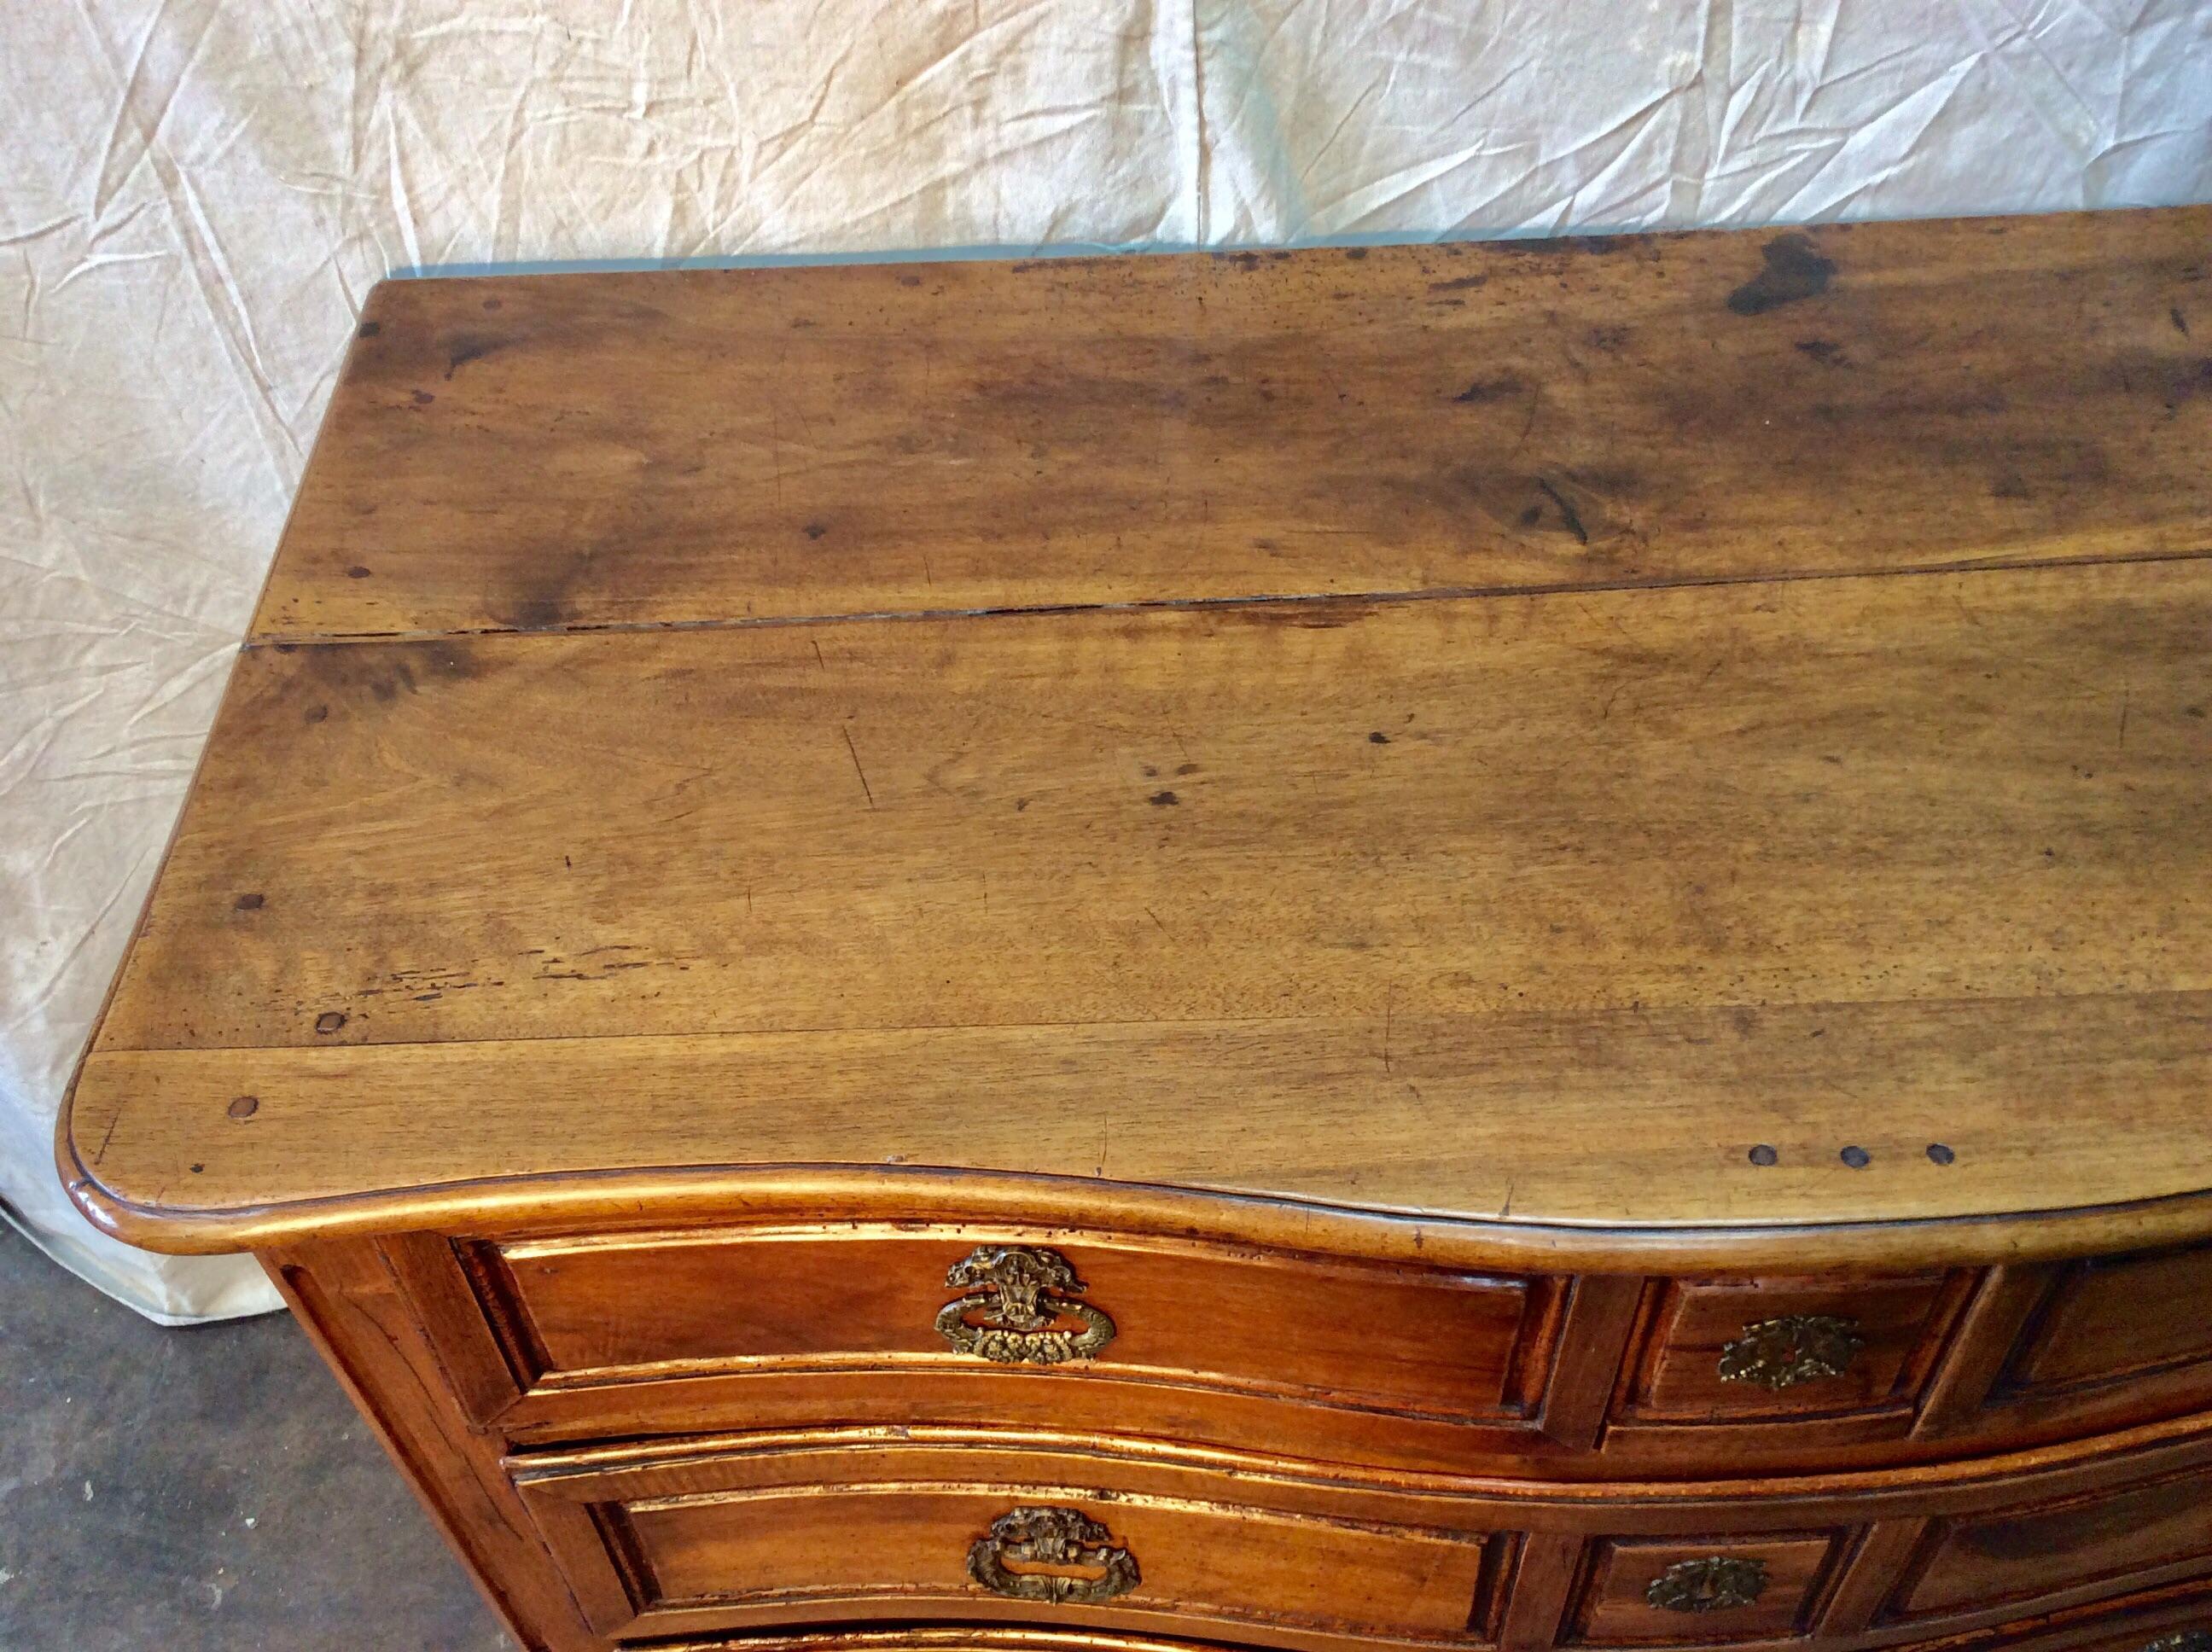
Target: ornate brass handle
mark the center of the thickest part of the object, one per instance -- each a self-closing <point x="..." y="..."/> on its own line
<point x="1017" y="1292"/>
<point x="1795" y="1348"/>
<point x="1052" y="1537"/>
<point x="1713" y="1584"/>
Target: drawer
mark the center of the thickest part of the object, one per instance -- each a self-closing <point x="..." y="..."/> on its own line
<point x="1654" y="1591"/>
<point x="2112" y="1340"/>
<point x="688" y="1537"/>
<point x="934" y="1637"/>
<point x="2165" y="1627"/>
<point x="2134" y="1536"/>
<point x="1848" y="1356"/>
<point x="1060" y="1328"/>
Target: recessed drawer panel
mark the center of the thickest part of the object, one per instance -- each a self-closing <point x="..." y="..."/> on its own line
<point x="2163" y="1626"/>
<point x="683" y="1539"/>
<point x="1718" y="1351"/>
<point x="2019" y="1555"/>
<point x="625" y="1309"/>
<point x="1655" y="1591"/>
<point x="2121" y="1317"/>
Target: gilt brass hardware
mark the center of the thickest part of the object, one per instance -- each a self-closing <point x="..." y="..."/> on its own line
<point x="1713" y="1584"/>
<point x="1018" y="1291"/>
<point x="1051" y="1537"/>
<point x="1795" y="1348"/>
<point x="2182" y="1640"/>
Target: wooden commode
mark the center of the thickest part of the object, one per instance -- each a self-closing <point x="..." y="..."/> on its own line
<point x="1492" y="947"/>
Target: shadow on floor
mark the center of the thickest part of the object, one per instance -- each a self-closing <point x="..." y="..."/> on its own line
<point x="206" y="1489"/>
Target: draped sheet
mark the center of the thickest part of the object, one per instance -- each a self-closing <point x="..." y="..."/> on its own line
<point x="197" y="195"/>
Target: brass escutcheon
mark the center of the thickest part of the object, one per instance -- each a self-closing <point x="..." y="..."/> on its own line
<point x="1795" y="1348"/>
<point x="1037" y="1536"/>
<point x="1713" y="1584"/>
<point x="1015" y="1292"/>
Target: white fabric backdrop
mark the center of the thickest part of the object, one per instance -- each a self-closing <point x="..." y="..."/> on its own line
<point x="195" y="195"/>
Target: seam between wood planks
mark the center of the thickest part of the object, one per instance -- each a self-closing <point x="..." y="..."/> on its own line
<point x="286" y="640"/>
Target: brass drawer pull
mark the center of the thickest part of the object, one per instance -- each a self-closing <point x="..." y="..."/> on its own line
<point x="1796" y="1348"/>
<point x="1052" y="1537"/>
<point x="1713" y="1584"/>
<point x="1015" y="1292"/>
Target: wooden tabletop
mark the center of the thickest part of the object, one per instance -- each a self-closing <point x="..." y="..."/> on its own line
<point x="1689" y="740"/>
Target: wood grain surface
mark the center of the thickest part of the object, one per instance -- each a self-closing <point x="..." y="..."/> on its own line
<point x="1547" y="907"/>
<point x="1675" y="733"/>
<point x="534" y="453"/>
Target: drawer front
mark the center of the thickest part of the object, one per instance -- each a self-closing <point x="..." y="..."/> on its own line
<point x="2179" y="1621"/>
<point x="2133" y="1332"/>
<point x="1656" y="1591"/>
<point x="1783" y="1349"/>
<point x="2187" y="1630"/>
<point x="2020" y="1555"/>
<point x="2165" y="1628"/>
<point x="682" y="1541"/>
<point x="603" y="1311"/>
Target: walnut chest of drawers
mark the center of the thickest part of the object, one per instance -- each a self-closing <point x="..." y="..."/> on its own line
<point x="1458" y="946"/>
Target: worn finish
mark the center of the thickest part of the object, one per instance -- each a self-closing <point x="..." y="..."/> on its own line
<point x="539" y="453"/>
<point x="1635" y="878"/>
<point x="1491" y="948"/>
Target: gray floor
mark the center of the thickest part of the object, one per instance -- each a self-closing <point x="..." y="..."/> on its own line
<point x="207" y="1490"/>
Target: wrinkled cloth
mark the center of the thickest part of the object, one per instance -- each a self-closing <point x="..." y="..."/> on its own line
<point x="197" y="195"/>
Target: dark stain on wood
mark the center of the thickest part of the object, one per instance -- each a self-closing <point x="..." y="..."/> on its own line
<point x="1795" y="271"/>
<point x="470" y="347"/>
<point x="1505" y="385"/>
<point x="1544" y="244"/>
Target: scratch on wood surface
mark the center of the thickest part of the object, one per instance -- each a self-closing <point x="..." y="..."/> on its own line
<point x="1567" y="512"/>
<point x="866" y="791"/>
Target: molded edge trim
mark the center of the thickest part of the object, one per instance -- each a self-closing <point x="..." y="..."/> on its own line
<point x="2150" y="1450"/>
<point x="721" y="1195"/>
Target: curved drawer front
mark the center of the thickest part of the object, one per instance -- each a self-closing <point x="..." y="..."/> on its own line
<point x="2111" y="1340"/>
<point x="847" y="1525"/>
<point x="958" y="1312"/>
<point x="1782" y="1366"/>
<point x="1383" y="1364"/>
<point x="1716" y="1591"/>
<point x="672" y="1542"/>
<point x="2030" y="1552"/>
<point x="2182" y="1626"/>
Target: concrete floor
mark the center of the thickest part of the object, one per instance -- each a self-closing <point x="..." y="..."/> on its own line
<point x="208" y="1490"/>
